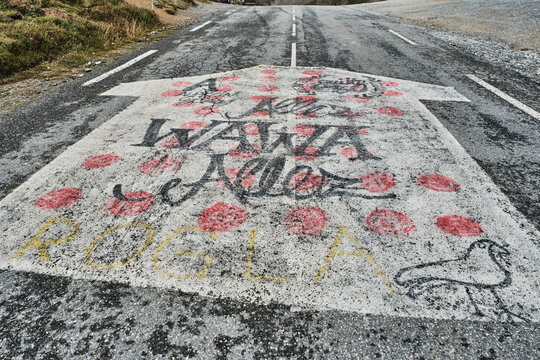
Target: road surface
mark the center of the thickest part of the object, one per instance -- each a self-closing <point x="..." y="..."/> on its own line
<point x="294" y="182"/>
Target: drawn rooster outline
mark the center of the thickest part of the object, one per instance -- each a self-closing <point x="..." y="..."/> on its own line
<point x="482" y="270"/>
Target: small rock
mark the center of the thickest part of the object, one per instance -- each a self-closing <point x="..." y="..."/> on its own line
<point x="87" y="69"/>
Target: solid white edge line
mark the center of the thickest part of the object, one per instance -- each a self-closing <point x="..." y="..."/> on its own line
<point x="402" y="37"/>
<point x="535" y="114"/>
<point x="293" y="29"/>
<point x="119" y="68"/>
<point x="200" y="26"/>
<point x="293" y="55"/>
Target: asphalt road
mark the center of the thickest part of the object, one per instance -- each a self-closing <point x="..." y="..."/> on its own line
<point x="50" y="308"/>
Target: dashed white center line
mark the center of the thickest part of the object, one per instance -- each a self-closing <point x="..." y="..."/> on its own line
<point x="535" y="114"/>
<point x="228" y="13"/>
<point x="200" y="26"/>
<point x="293" y="29"/>
<point x="293" y="55"/>
<point x="119" y="68"/>
<point x="402" y="37"/>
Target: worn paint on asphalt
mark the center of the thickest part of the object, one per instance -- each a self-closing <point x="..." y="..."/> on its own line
<point x="318" y="188"/>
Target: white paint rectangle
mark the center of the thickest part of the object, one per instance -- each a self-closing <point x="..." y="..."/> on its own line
<point x="119" y="68"/>
<point x="200" y="26"/>
<point x="535" y="114"/>
<point x="293" y="29"/>
<point x="293" y="54"/>
<point x="402" y="37"/>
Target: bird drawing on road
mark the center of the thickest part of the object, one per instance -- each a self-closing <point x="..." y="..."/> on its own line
<point x="481" y="271"/>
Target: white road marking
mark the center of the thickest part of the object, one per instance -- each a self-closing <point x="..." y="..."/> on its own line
<point x="535" y="114"/>
<point x="293" y="55"/>
<point x="200" y="26"/>
<point x="293" y="29"/>
<point x="228" y="13"/>
<point x="388" y="215"/>
<point x="120" y="68"/>
<point x="402" y="37"/>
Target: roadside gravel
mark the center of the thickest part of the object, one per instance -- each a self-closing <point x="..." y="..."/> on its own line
<point x="498" y="32"/>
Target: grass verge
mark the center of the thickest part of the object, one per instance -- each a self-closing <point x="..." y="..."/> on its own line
<point x="66" y="32"/>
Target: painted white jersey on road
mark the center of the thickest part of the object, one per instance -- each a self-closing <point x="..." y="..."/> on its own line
<point x="317" y="188"/>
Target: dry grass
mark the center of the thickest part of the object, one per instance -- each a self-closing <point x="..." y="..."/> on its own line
<point x="65" y="32"/>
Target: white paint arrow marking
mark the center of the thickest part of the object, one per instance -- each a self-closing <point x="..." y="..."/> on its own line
<point x="120" y="68"/>
<point x="535" y="114"/>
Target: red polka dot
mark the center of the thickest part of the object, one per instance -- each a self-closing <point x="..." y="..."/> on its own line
<point x="350" y="114"/>
<point x="268" y="78"/>
<point x="246" y="154"/>
<point x="363" y="131"/>
<point x="305" y="220"/>
<point x="194" y="125"/>
<point x="305" y="99"/>
<point x="269" y="71"/>
<point x="312" y="72"/>
<point x="205" y="111"/>
<point x="213" y="98"/>
<point x="349" y="153"/>
<point x="388" y="83"/>
<point x="140" y="202"/>
<point x="392" y="93"/>
<point x="260" y="98"/>
<point x="389" y="223"/>
<point x="171" y="143"/>
<point x="302" y="182"/>
<point x="160" y="165"/>
<point x="261" y="113"/>
<point x="221" y="217"/>
<point x="390" y="111"/>
<point x="459" y="225"/>
<point x="439" y="183"/>
<point x="308" y="153"/>
<point x="172" y="93"/>
<point x="309" y="79"/>
<point x="304" y="114"/>
<point x="225" y="88"/>
<point x="100" y="161"/>
<point x="183" y="103"/>
<point x="232" y="174"/>
<point x="267" y="88"/>
<point x="357" y="98"/>
<point x="303" y="129"/>
<point x="251" y="129"/>
<point x="59" y="198"/>
<point x="377" y="182"/>
<point x="305" y="88"/>
<point x="230" y="78"/>
<point x="182" y="84"/>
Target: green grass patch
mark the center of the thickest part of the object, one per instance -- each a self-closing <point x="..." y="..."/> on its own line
<point x="66" y="30"/>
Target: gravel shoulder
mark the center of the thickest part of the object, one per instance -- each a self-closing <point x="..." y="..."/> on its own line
<point x="498" y="32"/>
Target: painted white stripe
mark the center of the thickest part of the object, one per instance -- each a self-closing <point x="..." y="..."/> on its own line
<point x="293" y="17"/>
<point x="228" y="13"/>
<point x="200" y="26"/>
<point x="120" y="68"/>
<point x="402" y="37"/>
<point x="535" y="114"/>
<point x="293" y="29"/>
<point x="293" y="55"/>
